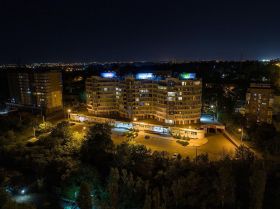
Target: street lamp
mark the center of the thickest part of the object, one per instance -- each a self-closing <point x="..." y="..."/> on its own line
<point x="241" y="130"/>
<point x="34" y="131"/>
<point x="134" y="119"/>
<point x="84" y="128"/>
<point x="69" y="111"/>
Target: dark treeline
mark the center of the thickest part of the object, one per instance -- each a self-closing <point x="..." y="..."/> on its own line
<point x="131" y="176"/>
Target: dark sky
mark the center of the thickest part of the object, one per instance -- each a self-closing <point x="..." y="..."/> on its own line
<point x="104" y="30"/>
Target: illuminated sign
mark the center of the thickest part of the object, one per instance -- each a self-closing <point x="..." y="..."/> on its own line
<point x="108" y="75"/>
<point x="187" y="76"/>
<point x="142" y="76"/>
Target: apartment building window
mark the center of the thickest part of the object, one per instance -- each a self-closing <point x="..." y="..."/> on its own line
<point x="171" y="94"/>
<point x="144" y="90"/>
<point x="170" y="98"/>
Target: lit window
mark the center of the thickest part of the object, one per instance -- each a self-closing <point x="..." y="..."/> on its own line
<point x="105" y="89"/>
<point x="180" y="98"/>
<point x="170" y="98"/>
<point x="171" y="94"/>
<point x="137" y="99"/>
<point x="184" y="83"/>
<point x="144" y="90"/>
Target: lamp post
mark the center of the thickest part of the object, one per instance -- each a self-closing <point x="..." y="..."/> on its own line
<point x="242" y="132"/>
<point x="69" y="111"/>
<point x="34" y="132"/>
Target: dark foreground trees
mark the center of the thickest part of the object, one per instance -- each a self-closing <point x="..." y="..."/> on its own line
<point x="132" y="177"/>
<point x="84" y="200"/>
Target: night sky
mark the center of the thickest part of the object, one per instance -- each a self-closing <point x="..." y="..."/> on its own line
<point x="82" y="31"/>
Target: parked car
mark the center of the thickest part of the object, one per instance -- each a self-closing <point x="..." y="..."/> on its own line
<point x="147" y="137"/>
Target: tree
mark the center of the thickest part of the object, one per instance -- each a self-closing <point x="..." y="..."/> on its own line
<point x="148" y="202"/>
<point x="244" y="153"/>
<point x="257" y="187"/>
<point x="62" y="131"/>
<point x="98" y="140"/>
<point x="84" y="199"/>
<point x="3" y="197"/>
<point x="45" y="127"/>
<point x="113" y="188"/>
<point x="13" y="205"/>
<point x="226" y="184"/>
<point x="97" y="148"/>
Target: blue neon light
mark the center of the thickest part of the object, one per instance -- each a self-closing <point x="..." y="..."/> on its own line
<point x="108" y="75"/>
<point x="142" y="76"/>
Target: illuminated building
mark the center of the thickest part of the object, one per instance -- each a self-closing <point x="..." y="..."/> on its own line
<point x="36" y="90"/>
<point x="259" y="103"/>
<point x="144" y="96"/>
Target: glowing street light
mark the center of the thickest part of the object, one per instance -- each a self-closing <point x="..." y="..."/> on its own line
<point x="69" y="111"/>
<point x="241" y="130"/>
<point x="134" y="119"/>
<point x="22" y="191"/>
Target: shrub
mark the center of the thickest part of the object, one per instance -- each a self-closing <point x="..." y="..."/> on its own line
<point x="183" y="143"/>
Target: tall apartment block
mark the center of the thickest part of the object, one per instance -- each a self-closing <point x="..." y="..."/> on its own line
<point x="38" y="90"/>
<point x="144" y="96"/>
<point x="259" y="102"/>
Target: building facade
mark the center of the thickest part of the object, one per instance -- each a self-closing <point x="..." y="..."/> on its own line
<point x="36" y="90"/>
<point x="259" y="103"/>
<point x="169" y="100"/>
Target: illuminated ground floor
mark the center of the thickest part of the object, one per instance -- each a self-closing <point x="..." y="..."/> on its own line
<point x="191" y="133"/>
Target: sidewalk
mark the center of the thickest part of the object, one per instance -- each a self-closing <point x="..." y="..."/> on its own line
<point x="237" y="142"/>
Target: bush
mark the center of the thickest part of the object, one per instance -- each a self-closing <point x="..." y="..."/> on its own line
<point x="186" y="138"/>
<point x="183" y="143"/>
<point x="177" y="136"/>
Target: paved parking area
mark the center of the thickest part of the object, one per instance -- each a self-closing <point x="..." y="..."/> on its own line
<point x="216" y="147"/>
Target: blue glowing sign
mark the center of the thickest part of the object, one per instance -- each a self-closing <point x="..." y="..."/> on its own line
<point x="142" y="76"/>
<point x="108" y="75"/>
<point x="186" y="76"/>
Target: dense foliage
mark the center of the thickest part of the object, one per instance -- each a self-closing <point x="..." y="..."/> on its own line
<point x="94" y="171"/>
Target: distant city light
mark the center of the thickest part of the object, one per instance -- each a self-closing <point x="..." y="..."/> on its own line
<point x="187" y="76"/>
<point x="142" y="76"/>
<point x="22" y="191"/>
<point x="108" y="75"/>
<point x="265" y="60"/>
